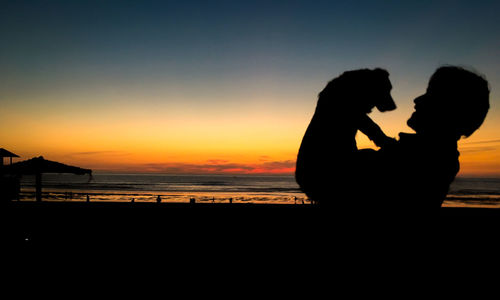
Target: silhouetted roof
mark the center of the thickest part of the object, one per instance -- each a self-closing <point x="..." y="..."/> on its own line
<point x="5" y="153"/>
<point x="41" y="165"/>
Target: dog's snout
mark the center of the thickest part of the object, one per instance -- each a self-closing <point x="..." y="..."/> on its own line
<point x="387" y="104"/>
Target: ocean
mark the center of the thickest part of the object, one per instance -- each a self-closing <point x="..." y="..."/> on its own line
<point x="170" y="188"/>
<point x="464" y="192"/>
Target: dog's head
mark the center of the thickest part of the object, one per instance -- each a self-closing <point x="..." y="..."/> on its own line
<point x="361" y="89"/>
<point x="381" y="91"/>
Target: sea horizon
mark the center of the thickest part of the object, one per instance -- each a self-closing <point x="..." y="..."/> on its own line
<point x="219" y="188"/>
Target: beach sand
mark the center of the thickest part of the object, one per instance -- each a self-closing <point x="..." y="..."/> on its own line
<point x="93" y="222"/>
<point x="222" y="233"/>
<point x="253" y="245"/>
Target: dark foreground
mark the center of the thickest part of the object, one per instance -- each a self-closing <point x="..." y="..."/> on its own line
<point x="223" y="243"/>
<point x="205" y="228"/>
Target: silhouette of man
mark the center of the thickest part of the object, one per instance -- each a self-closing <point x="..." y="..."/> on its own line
<point x="415" y="173"/>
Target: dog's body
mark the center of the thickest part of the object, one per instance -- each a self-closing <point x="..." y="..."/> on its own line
<point x="329" y="144"/>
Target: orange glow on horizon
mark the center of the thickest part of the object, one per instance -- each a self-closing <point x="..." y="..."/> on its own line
<point x="256" y="139"/>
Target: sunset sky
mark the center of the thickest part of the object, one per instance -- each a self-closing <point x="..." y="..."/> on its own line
<point x="222" y="86"/>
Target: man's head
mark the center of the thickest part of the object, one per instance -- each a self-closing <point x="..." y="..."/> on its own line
<point x="455" y="104"/>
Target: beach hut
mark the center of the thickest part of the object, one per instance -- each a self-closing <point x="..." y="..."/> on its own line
<point x="9" y="185"/>
<point x="5" y="153"/>
<point x="38" y="165"/>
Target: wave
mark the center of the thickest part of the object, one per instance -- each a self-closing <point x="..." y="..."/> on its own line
<point x="475" y="192"/>
<point x="122" y="187"/>
<point x="169" y="183"/>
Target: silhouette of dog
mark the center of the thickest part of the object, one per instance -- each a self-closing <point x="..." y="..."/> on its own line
<point x="329" y="143"/>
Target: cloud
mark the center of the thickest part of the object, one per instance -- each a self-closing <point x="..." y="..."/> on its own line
<point x="221" y="167"/>
<point x="477" y="149"/>
<point x="264" y="158"/>
<point x="481" y="146"/>
<point x="481" y="142"/>
<point x="279" y="164"/>
<point x="217" y="161"/>
<point x="90" y="153"/>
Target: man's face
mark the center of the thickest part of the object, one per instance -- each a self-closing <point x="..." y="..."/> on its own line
<point x="416" y="118"/>
<point x="429" y="115"/>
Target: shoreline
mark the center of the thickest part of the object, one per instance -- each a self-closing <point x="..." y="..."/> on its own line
<point x="451" y="201"/>
<point x="75" y="204"/>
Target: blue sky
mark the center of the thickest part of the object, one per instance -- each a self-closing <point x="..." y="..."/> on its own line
<point x="196" y="59"/>
<point x="193" y="40"/>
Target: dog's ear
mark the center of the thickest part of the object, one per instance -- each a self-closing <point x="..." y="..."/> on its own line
<point x="381" y="72"/>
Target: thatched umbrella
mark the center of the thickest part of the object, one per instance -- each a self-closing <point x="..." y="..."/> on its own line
<point x="38" y="165"/>
<point x="6" y="153"/>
